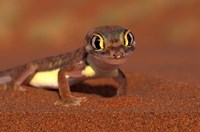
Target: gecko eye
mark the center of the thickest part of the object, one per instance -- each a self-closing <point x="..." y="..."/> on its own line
<point x="129" y="38"/>
<point x="97" y="42"/>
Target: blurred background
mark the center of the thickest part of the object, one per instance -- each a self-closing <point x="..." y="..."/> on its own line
<point x="166" y="32"/>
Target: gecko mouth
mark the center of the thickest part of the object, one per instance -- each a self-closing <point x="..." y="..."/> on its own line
<point x="112" y="61"/>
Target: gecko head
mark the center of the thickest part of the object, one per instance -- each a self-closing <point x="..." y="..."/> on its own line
<point x="110" y="44"/>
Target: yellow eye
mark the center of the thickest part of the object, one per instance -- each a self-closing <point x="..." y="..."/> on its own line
<point x="129" y="38"/>
<point x="97" y="42"/>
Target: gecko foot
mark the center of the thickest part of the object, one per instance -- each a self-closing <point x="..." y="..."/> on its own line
<point x="5" y="87"/>
<point x="20" y="88"/>
<point x="121" y="91"/>
<point x="75" y="101"/>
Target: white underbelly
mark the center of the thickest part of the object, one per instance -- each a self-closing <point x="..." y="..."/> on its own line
<point x="47" y="79"/>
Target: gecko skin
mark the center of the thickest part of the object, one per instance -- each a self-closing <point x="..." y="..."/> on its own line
<point x="105" y="49"/>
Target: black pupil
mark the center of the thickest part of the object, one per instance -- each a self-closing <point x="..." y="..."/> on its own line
<point x="97" y="43"/>
<point x="129" y="38"/>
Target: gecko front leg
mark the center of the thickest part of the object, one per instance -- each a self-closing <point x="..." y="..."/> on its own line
<point x="67" y="98"/>
<point x="122" y="81"/>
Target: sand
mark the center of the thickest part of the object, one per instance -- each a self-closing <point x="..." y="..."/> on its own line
<point x="163" y="73"/>
<point x="151" y="104"/>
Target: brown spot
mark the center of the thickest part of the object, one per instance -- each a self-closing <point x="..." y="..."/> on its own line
<point x="59" y="61"/>
<point x="50" y="65"/>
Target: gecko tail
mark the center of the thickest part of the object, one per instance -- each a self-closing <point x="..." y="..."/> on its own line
<point x="5" y="77"/>
<point x="5" y="72"/>
<point x="1" y="73"/>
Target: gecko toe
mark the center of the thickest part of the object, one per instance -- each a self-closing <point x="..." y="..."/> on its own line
<point x="19" y="88"/>
<point x="72" y="101"/>
<point x="3" y="87"/>
<point x="121" y="92"/>
<point x="6" y="87"/>
<point x="77" y="101"/>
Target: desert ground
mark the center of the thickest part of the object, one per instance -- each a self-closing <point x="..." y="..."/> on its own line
<point x="163" y="73"/>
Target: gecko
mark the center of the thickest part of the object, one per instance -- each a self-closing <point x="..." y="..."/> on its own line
<point x="105" y="49"/>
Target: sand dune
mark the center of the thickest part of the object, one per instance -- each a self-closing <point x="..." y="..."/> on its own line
<point x="151" y="104"/>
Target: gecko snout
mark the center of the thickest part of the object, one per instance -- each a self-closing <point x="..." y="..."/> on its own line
<point x="118" y="55"/>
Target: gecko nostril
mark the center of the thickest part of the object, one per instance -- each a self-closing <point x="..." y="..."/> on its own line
<point x="114" y="55"/>
<point x="118" y="55"/>
<point x="122" y="54"/>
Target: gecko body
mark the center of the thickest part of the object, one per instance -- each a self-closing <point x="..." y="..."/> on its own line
<point x="105" y="49"/>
